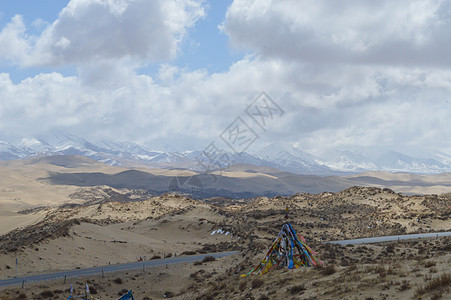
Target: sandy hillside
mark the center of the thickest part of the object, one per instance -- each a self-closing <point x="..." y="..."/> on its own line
<point x="57" y="180"/>
<point x="95" y="234"/>
<point x="25" y="184"/>
<point x="405" y="182"/>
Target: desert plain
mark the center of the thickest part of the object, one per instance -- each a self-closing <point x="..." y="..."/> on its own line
<point x="61" y="214"/>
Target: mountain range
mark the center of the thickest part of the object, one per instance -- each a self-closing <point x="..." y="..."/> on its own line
<point x="280" y="156"/>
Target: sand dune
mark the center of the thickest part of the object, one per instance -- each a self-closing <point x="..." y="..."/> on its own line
<point x="58" y="180"/>
<point x="112" y="232"/>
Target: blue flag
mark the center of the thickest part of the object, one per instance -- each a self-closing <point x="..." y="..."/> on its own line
<point x="127" y="296"/>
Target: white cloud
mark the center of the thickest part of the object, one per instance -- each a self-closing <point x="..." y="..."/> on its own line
<point x="359" y="32"/>
<point x="88" y="31"/>
<point x="331" y="66"/>
<point x="14" y="43"/>
<point x="388" y="107"/>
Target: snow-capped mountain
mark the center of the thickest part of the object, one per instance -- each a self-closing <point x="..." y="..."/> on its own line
<point x="285" y="157"/>
<point x="443" y="158"/>
<point x="276" y="150"/>
<point x="398" y="162"/>
<point x="8" y="151"/>
<point x="35" y="145"/>
<point x="347" y="161"/>
<point x="292" y="159"/>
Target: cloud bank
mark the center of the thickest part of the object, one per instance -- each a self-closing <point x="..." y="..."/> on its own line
<point x="347" y="74"/>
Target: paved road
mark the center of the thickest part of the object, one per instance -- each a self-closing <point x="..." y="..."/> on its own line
<point x="112" y="268"/>
<point x="389" y="238"/>
<point x="182" y="259"/>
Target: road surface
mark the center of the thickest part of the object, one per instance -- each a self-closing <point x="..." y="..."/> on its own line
<point x="112" y="268"/>
<point x="389" y="238"/>
<point x="183" y="259"/>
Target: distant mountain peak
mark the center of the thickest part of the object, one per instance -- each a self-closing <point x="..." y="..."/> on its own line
<point x="281" y="156"/>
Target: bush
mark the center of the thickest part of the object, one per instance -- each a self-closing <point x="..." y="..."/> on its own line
<point x="46" y="294"/>
<point x="381" y="271"/>
<point x="257" y="283"/>
<point x="429" y="263"/>
<point x="296" y="289"/>
<point x="328" y="270"/>
<point x="438" y="285"/>
<point x="208" y="258"/>
<point x="118" y="280"/>
<point x="93" y="290"/>
<point x="390" y="248"/>
<point x="168" y="294"/>
<point x="405" y="285"/>
<point x="122" y="292"/>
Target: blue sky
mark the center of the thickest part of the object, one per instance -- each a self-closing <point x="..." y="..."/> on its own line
<point x="31" y="11"/>
<point x="204" y="47"/>
<point x="180" y="72"/>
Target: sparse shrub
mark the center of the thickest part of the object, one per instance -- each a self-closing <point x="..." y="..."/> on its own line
<point x="46" y="294"/>
<point x="208" y="258"/>
<point x="283" y="281"/>
<point x="328" y="270"/>
<point x="93" y="290"/>
<point x="429" y="263"/>
<point x="405" y="285"/>
<point x="263" y="297"/>
<point x="296" y="289"/>
<point x="257" y="283"/>
<point x="390" y="248"/>
<point x="168" y="294"/>
<point x="351" y="268"/>
<point x="118" y="280"/>
<point x="381" y="271"/>
<point x="437" y="285"/>
<point x="243" y="285"/>
<point x="122" y="292"/>
<point x="156" y="257"/>
<point x="58" y="291"/>
<point x="344" y="263"/>
<point x="188" y="253"/>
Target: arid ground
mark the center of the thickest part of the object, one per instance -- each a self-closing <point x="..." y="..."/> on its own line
<point x="79" y="227"/>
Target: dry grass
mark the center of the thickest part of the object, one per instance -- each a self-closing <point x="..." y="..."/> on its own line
<point x="208" y="258"/>
<point x="328" y="270"/>
<point x="257" y="283"/>
<point x="296" y="289"/>
<point x="437" y="286"/>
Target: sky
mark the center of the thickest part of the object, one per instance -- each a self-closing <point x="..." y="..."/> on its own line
<point x="344" y="74"/>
